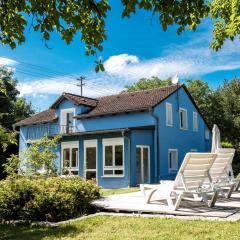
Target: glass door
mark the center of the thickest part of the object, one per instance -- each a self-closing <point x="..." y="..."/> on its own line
<point x="70" y="158"/>
<point x="90" y="157"/>
<point x="142" y="164"/>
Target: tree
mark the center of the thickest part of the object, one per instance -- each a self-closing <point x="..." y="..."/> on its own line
<point x="12" y="109"/>
<point x="147" y="83"/>
<point x="87" y="17"/>
<point x="40" y="155"/>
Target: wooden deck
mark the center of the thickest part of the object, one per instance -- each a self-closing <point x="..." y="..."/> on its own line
<point x="225" y="209"/>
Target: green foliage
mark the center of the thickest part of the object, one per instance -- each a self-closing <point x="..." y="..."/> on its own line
<point x="51" y="199"/>
<point x="227" y="145"/>
<point x="6" y="138"/>
<point x="12" y="109"/>
<point x="13" y="165"/>
<point x="147" y="83"/>
<point x="41" y="154"/>
<point x="69" y="18"/>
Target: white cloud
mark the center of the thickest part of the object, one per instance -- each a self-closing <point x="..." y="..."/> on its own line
<point x="7" y="61"/>
<point x="186" y="60"/>
<point x="115" y="64"/>
<point x="43" y="87"/>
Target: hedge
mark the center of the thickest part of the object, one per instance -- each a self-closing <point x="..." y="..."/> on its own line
<point x="52" y="199"/>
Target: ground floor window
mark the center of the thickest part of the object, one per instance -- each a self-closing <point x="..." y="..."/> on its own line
<point x="70" y="158"/>
<point x="113" y="157"/>
<point x="172" y="160"/>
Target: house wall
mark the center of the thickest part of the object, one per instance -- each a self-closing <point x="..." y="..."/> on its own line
<point x="170" y="138"/>
<point x="105" y="182"/>
<point x="176" y="138"/>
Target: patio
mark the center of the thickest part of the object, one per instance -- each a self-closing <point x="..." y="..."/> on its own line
<point x="225" y="209"/>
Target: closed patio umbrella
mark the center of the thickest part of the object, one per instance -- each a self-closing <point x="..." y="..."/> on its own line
<point x="216" y="139"/>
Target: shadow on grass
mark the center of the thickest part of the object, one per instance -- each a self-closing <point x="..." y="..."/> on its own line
<point x="8" y="232"/>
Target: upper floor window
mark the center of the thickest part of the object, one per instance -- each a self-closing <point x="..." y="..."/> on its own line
<point x="169" y="117"/>
<point x="67" y="121"/>
<point x="183" y="118"/>
<point x="195" y="121"/>
<point x="173" y="160"/>
<point x="113" y="157"/>
<point x="207" y="134"/>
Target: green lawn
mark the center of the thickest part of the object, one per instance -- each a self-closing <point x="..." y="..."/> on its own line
<point x="107" y="192"/>
<point x="108" y="227"/>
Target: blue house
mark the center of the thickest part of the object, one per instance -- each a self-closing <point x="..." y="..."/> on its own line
<point x="122" y="140"/>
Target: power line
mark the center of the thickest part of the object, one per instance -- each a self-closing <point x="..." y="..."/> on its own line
<point x="81" y="83"/>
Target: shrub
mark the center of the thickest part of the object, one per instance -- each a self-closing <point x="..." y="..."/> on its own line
<point x="51" y="199"/>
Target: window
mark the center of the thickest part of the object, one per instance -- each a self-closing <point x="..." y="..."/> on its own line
<point x="169" y="119"/>
<point x="67" y="120"/>
<point x="207" y="134"/>
<point x="183" y="118"/>
<point x="90" y="159"/>
<point x="70" y="158"/>
<point x="113" y="157"/>
<point x="195" y="121"/>
<point x="172" y="160"/>
<point x="193" y="150"/>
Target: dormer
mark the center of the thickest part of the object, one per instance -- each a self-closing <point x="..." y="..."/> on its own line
<point x="69" y="105"/>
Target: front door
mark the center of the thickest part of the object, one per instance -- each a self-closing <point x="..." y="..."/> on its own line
<point x="90" y="157"/>
<point x="142" y="163"/>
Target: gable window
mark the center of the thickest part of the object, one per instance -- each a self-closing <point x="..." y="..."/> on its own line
<point x="67" y="120"/>
<point x="172" y="160"/>
<point x="113" y="157"/>
<point x="70" y="158"/>
<point x="195" y="121"/>
<point x="169" y="118"/>
<point x="183" y="118"/>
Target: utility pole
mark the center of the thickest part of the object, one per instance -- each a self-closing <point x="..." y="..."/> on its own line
<point x="81" y="79"/>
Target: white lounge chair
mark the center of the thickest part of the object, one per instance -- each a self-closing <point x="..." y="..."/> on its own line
<point x="221" y="172"/>
<point x="189" y="181"/>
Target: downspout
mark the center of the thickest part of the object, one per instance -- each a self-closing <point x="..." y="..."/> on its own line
<point x="129" y="157"/>
<point x="157" y="120"/>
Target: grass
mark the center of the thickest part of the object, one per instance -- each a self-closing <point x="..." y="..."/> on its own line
<point x="107" y="192"/>
<point x="110" y="227"/>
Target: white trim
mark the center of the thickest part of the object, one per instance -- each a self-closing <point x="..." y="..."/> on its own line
<point x="169" y="169"/>
<point x="86" y="144"/>
<point x="113" y="142"/>
<point x="195" y="121"/>
<point x="63" y="113"/>
<point x="171" y="111"/>
<point x="183" y="110"/>
<point x="149" y="162"/>
<point x="70" y="145"/>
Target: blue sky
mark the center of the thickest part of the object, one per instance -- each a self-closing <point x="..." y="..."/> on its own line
<point x="136" y="47"/>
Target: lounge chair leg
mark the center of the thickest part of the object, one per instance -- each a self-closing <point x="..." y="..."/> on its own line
<point x="229" y="193"/>
<point x="237" y="186"/>
<point x="178" y="201"/>
<point x="213" y="200"/>
<point x="150" y="195"/>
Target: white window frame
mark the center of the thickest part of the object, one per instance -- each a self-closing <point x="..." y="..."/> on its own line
<point x="70" y="145"/>
<point x="63" y="119"/>
<point x="207" y="134"/>
<point x="172" y="170"/>
<point x="112" y="142"/>
<point x="183" y="110"/>
<point x="86" y="144"/>
<point x="149" y="161"/>
<point x="169" y="108"/>
<point x="195" y="121"/>
<point x="193" y="150"/>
